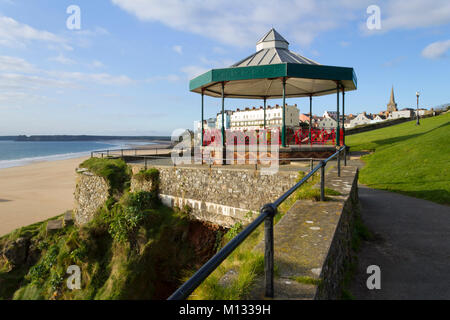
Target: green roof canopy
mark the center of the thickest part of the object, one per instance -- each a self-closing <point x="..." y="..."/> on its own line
<point x="258" y="82"/>
<point x="260" y="75"/>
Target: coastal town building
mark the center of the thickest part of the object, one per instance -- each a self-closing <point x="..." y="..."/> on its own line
<point x="208" y="124"/>
<point x="361" y="119"/>
<point x="404" y="113"/>
<point x="303" y="118"/>
<point x="253" y="118"/>
<point x="422" y="112"/>
<point x="227" y="119"/>
<point x="327" y="123"/>
<point x="330" y="114"/>
<point x="347" y="123"/>
<point x="378" y="118"/>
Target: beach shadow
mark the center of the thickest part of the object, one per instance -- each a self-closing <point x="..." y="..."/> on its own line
<point x="4" y="200"/>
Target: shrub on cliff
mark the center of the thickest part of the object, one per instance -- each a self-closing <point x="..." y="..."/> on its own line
<point x="115" y="171"/>
<point x="151" y="174"/>
<point x="127" y="215"/>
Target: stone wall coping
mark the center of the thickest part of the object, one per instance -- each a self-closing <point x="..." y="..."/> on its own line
<point x="225" y="168"/>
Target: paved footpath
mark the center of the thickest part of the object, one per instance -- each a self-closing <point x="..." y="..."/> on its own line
<point x="411" y="247"/>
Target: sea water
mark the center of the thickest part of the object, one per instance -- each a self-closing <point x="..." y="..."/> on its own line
<point x="18" y="153"/>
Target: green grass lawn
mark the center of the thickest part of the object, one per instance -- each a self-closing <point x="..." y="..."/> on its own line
<point x="409" y="159"/>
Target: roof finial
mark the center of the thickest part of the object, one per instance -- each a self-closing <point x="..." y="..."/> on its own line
<point x="272" y="39"/>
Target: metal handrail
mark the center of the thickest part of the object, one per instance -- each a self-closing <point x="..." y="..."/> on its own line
<point x="267" y="215"/>
<point x="110" y="152"/>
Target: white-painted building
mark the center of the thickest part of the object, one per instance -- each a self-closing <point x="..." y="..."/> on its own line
<point x="208" y="124"/>
<point x="326" y="123"/>
<point x="347" y="123"/>
<point x="405" y="113"/>
<point x="422" y="112"/>
<point x="378" y="118"/>
<point x="360" y="119"/>
<point x="253" y="118"/>
<point x="226" y="119"/>
<point x="330" y="114"/>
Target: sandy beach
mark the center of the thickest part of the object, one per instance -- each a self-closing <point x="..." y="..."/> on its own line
<point x="36" y="192"/>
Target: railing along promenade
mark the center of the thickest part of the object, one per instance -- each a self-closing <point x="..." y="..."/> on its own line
<point x="129" y="152"/>
<point x="266" y="215"/>
<point x="166" y="152"/>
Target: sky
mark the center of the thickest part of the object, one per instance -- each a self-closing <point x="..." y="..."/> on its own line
<point x="125" y="69"/>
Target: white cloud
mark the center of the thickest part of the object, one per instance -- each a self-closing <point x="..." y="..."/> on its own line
<point x="31" y="82"/>
<point x="97" y="64"/>
<point x="241" y="23"/>
<point x="178" y="49"/>
<point x="170" y="78"/>
<point x="219" y="50"/>
<point x="97" y="78"/>
<point x="97" y="31"/>
<point x="21" y="82"/>
<point x="16" y="34"/>
<point x="62" y="59"/>
<point x="14" y="64"/>
<point x="412" y="14"/>
<point x="193" y="71"/>
<point x="436" y="50"/>
<point x="85" y="38"/>
<point x="17" y="99"/>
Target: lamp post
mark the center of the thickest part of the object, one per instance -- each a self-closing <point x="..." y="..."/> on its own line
<point x="417" y="110"/>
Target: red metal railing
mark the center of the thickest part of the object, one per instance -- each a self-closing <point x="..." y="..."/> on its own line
<point x="325" y="136"/>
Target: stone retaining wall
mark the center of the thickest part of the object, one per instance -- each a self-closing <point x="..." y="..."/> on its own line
<point x="91" y="192"/>
<point x="218" y="195"/>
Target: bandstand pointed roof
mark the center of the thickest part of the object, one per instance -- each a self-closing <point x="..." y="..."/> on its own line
<point x="259" y="75"/>
<point x="272" y="35"/>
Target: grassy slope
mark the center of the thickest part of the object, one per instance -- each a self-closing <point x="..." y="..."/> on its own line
<point x="409" y="159"/>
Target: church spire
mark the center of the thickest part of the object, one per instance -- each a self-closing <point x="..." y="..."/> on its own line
<point x="392" y="106"/>
<point x="392" y="101"/>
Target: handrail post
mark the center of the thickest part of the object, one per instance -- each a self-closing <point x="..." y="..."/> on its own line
<point x="322" y="181"/>
<point x="268" y="251"/>
<point x="311" y="164"/>
<point x="339" y="163"/>
<point x="145" y="163"/>
<point x="345" y="155"/>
